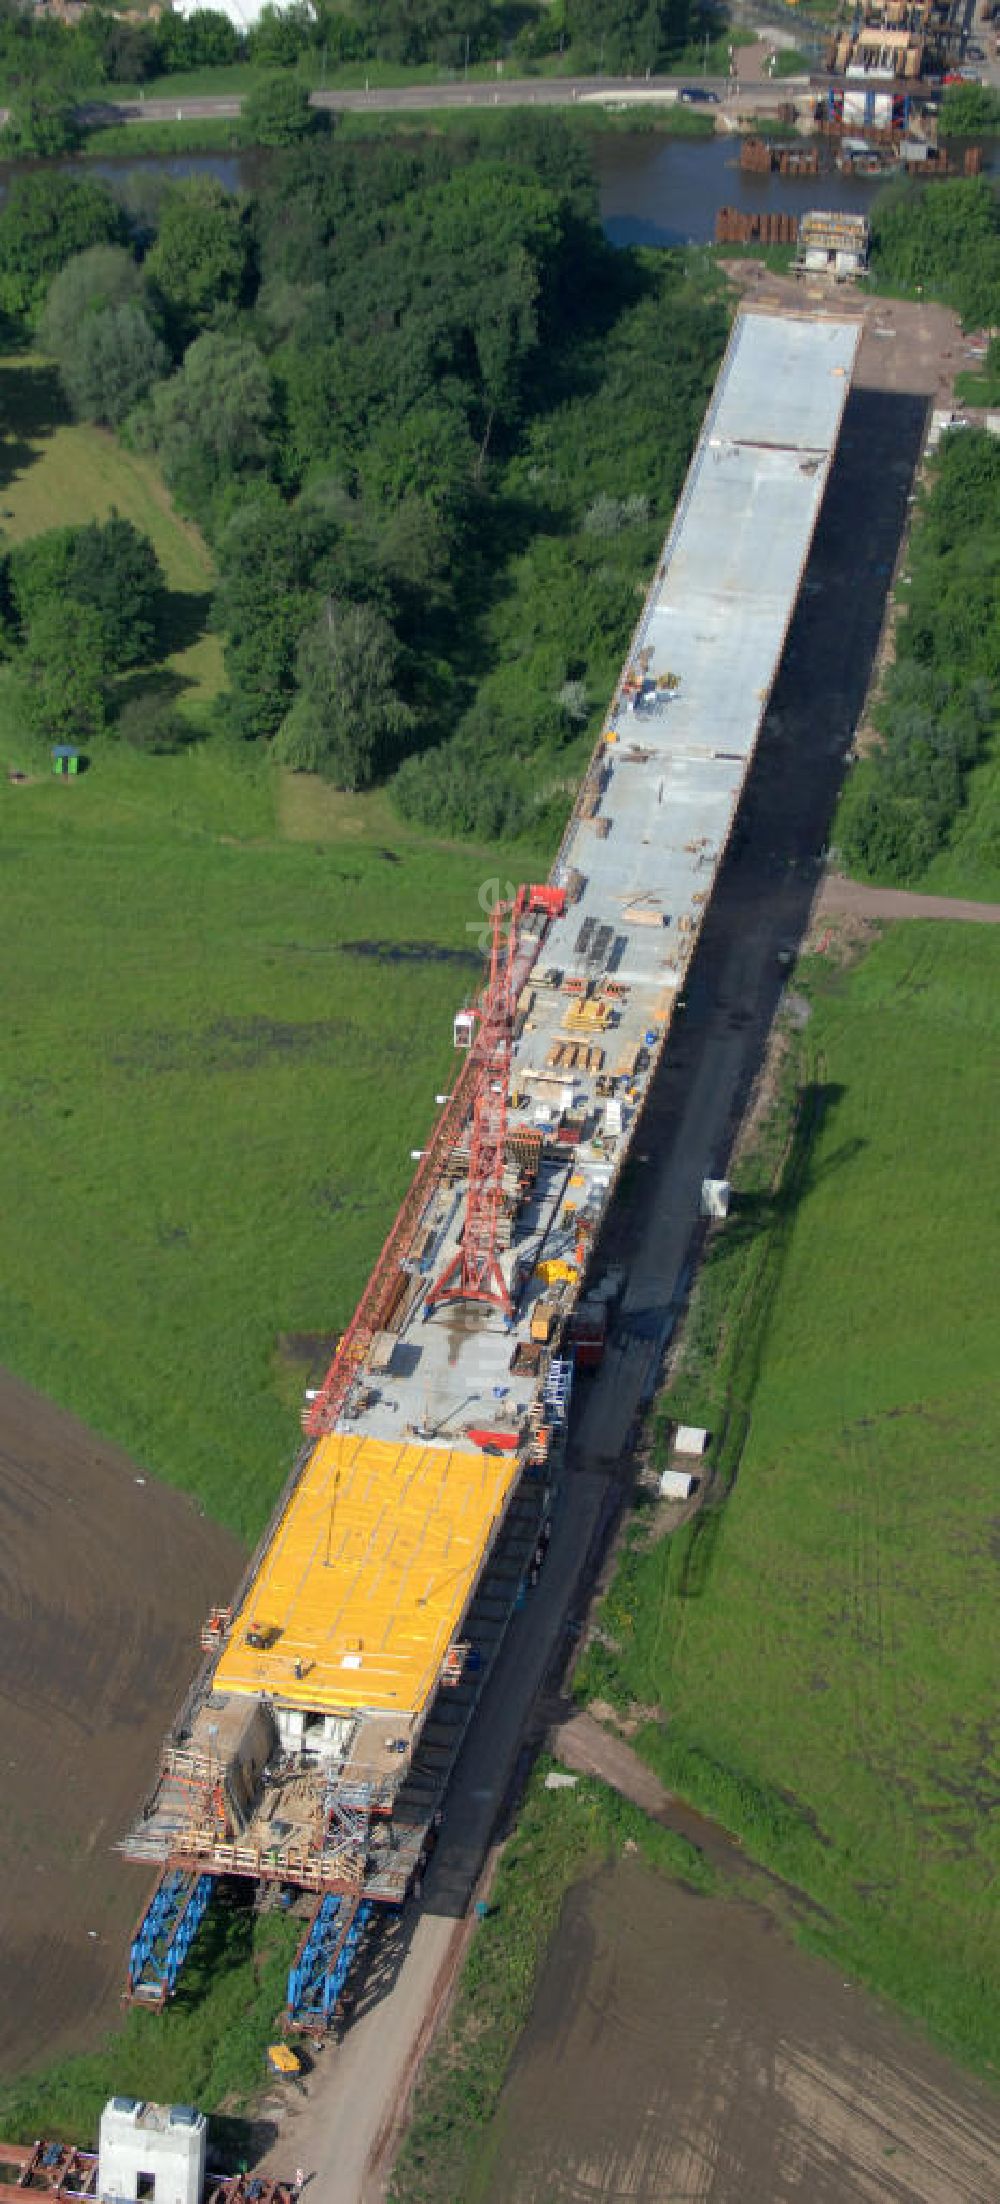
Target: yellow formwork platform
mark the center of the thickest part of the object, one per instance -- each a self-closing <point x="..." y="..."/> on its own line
<point x="362" y="1586"/>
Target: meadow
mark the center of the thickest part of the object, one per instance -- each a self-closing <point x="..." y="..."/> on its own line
<point x="820" y="1645"/>
<point x="225" y="1046"/>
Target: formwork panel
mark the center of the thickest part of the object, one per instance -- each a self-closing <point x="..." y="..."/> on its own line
<point x="375" y="1558"/>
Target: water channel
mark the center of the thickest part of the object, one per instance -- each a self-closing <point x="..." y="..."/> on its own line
<point x="655" y="190"/>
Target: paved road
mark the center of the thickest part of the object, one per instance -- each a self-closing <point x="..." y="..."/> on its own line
<point x="419" y="98"/>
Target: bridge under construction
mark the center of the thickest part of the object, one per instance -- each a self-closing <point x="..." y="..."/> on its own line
<point x="316" y="1746"/>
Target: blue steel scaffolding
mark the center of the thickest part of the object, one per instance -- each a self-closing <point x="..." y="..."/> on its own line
<point x="558" y="1386"/>
<point x="165" y="1935"/>
<point x="318" y="1976"/>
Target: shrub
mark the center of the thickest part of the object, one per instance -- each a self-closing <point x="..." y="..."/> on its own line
<point x="152" y="722"/>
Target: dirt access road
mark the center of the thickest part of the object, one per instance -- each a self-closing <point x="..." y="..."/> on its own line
<point x="840" y="898"/>
<point x="682" y="2050"/>
<point x="104" y="1580"/>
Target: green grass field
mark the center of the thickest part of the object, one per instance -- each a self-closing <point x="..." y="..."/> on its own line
<point x="55" y="473"/>
<point x="224" y="1048"/>
<point x="823" y="1646"/>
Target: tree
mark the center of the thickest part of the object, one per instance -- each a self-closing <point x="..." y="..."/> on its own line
<point x="428" y="454"/>
<point x="39" y="574"/>
<point x="277" y="112"/>
<point x="945" y="243"/>
<point x="264" y="600"/>
<point x="211" y="420"/>
<point x="100" y="336"/>
<point x="65" y="659"/>
<point x="152" y="722"/>
<point x="280" y="35"/>
<point x="204" y="40"/>
<point x="46" y="219"/>
<point x="199" y="261"/>
<point x="115" y="571"/>
<point x="970" y="109"/>
<point x="435" y="30"/>
<point x="125" y="53"/>
<point x="104" y="275"/>
<point x="348" y="720"/>
<point x="44" y="124"/>
<point x="113" y="366"/>
<point x="109" y="567"/>
<point x="630" y="34"/>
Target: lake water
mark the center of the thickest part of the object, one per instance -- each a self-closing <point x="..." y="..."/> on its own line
<point x="654" y="190"/>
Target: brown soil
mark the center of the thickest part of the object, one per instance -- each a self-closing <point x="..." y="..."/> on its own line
<point x="105" y="1576"/>
<point x="682" y="2049"/>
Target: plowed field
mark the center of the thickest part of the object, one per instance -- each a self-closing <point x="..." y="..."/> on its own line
<point x="104" y="1578"/>
<point x="682" y="2051"/>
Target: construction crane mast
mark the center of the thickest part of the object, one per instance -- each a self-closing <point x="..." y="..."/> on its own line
<point x="475" y="1273"/>
<point x="480" y="1091"/>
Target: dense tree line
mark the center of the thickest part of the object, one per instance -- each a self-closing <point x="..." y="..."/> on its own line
<point x="942" y="244"/>
<point x="430" y="422"/>
<point x="44" y="62"/>
<point x="938" y="706"/>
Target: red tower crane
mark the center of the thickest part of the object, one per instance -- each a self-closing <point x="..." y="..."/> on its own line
<point x="480" y="1091"/>
<point x="475" y="1272"/>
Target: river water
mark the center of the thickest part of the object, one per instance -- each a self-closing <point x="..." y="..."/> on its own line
<point x="654" y="190"/>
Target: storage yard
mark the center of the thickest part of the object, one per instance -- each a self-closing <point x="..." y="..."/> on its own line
<point x="314" y="1751"/>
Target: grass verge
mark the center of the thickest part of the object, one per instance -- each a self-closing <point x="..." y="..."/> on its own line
<point x="559" y="1835"/>
<point x="208" y="2048"/>
<point x="212" y="135"/>
<point x="819" y="1645"/>
<point x="131" y="140"/>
